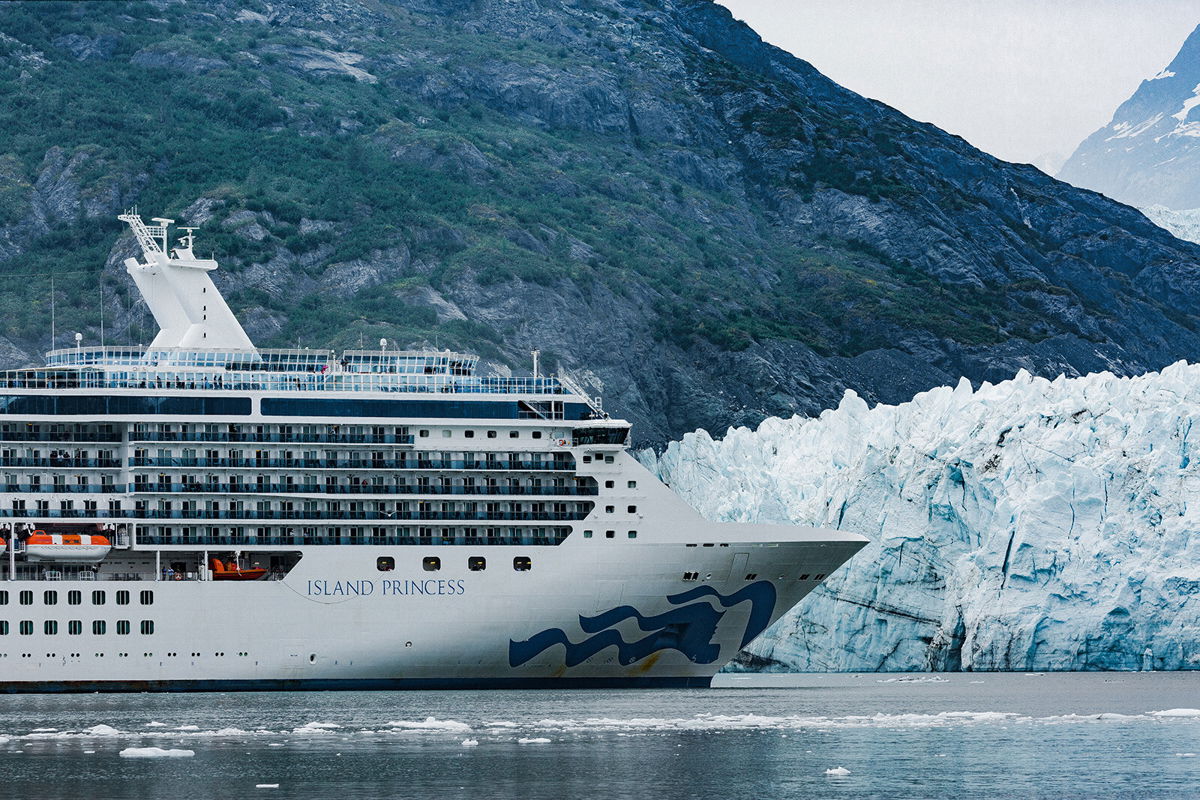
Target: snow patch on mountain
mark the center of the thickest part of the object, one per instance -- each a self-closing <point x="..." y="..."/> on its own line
<point x="1031" y="524"/>
<point x="1183" y="224"/>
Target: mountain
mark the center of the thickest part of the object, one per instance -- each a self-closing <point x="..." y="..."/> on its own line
<point x="702" y="226"/>
<point x="1028" y="525"/>
<point x="1150" y="153"/>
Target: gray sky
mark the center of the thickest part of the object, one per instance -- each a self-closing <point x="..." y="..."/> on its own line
<point x="1019" y="78"/>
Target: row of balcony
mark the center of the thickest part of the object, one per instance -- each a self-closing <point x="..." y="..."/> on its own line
<point x="564" y="463"/>
<point x="294" y="488"/>
<point x="254" y="514"/>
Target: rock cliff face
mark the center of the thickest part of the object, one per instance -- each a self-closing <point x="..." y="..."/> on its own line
<point x="1026" y="525"/>
<point x="1150" y="153"/>
<point x="702" y="226"/>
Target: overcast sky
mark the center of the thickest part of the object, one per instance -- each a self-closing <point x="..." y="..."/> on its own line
<point x="1022" y="79"/>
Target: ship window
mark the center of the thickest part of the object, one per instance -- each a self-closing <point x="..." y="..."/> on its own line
<point x="491" y="434"/>
<point x="477" y="563"/>
<point x="50" y="627"/>
<point x="445" y="433"/>
<point x="537" y="434"/>
<point x="123" y="598"/>
<point x="75" y="627"/>
<point x="469" y="434"/>
<point x="632" y="510"/>
<point x="431" y="563"/>
<point x="587" y="459"/>
<point x="74" y="597"/>
<point x="803" y="577"/>
<point x="98" y="627"/>
<point x="608" y="484"/>
<point x="4" y="598"/>
<point x="98" y="597"/>
<point x="610" y="534"/>
<point x="385" y="563"/>
<point x="27" y="598"/>
<point x="147" y="626"/>
<point x="27" y="627"/>
<point x="424" y="434"/>
<point x="50" y="597"/>
<point x="751" y="576"/>
<point x="587" y="534"/>
<point x="633" y="484"/>
<point x="820" y="576"/>
<point x="609" y="509"/>
<point x="122" y="627"/>
<point x="3" y="627"/>
<point x="522" y="563"/>
<point x="608" y="459"/>
<point x="514" y="434"/>
<point x="633" y="534"/>
<point x="147" y="598"/>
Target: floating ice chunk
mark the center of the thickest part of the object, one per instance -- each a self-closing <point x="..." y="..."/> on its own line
<point x="837" y="772"/>
<point x="533" y="740"/>
<point x="266" y="786"/>
<point x="44" y="730"/>
<point x="155" y="752"/>
<point x="188" y="728"/>
<point x="470" y="742"/>
<point x="1186" y="755"/>
<point x="101" y="730"/>
<point x="915" y="679"/>
<point x="156" y="724"/>
<point x="431" y="724"/>
<point x="317" y="727"/>
<point x="1177" y="712"/>
<point x="503" y="723"/>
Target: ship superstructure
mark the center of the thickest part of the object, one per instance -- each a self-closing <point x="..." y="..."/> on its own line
<point x="201" y="513"/>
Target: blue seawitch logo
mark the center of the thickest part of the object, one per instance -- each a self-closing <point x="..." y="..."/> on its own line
<point x="689" y="629"/>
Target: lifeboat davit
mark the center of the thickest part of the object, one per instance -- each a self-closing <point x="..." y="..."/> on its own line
<point x="230" y="571"/>
<point x="78" y="548"/>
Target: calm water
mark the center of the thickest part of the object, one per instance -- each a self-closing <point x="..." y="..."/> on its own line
<point x="961" y="736"/>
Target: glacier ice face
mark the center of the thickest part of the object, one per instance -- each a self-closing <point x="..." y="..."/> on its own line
<point x="1029" y="525"/>
<point x="1182" y="224"/>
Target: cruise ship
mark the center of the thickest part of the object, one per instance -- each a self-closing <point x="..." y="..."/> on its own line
<point x="202" y="514"/>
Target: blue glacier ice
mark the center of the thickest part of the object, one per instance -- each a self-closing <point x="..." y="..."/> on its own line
<point x="1031" y="525"/>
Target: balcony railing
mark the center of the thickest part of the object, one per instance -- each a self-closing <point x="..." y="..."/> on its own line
<point x="358" y="463"/>
<point x="254" y="514"/>
<point x="297" y="438"/>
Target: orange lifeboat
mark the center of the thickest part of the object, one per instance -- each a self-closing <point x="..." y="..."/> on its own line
<point x="230" y="571"/>
<point x="85" y="548"/>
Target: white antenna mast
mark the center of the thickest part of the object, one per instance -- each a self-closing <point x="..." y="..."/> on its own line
<point x="536" y="353"/>
<point x="102" y="315"/>
<point x="53" y="319"/>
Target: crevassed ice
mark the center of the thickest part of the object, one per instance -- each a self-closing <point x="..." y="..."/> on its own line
<point x="1027" y="525"/>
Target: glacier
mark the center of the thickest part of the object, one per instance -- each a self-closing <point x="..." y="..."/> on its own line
<point x="1027" y="525"/>
<point x="1183" y="224"/>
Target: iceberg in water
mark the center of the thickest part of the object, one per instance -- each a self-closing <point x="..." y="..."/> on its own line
<point x="1029" y="525"/>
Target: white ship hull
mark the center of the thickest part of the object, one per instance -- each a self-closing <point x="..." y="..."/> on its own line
<point x="600" y="613"/>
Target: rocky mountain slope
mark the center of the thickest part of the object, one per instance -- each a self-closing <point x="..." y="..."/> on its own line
<point x="1028" y="525"/>
<point x="702" y="226"/>
<point x="1149" y="154"/>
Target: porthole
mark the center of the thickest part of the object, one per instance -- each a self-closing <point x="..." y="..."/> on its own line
<point x="385" y="563"/>
<point x="587" y="534"/>
<point x="610" y="534"/>
<point x="522" y="563"/>
<point x="98" y="627"/>
<point x="633" y="534"/>
<point x="123" y="598"/>
<point x="26" y="627"/>
<point x="50" y="597"/>
<point x="477" y="563"/>
<point x="50" y="627"/>
<point x="27" y="598"/>
<point x="74" y="597"/>
<point x="431" y="563"/>
<point x="147" y="626"/>
<point x="98" y="597"/>
<point x="75" y="627"/>
<point x="146" y="597"/>
<point x="312" y="658"/>
<point x="122" y="627"/>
